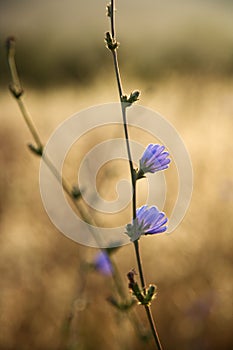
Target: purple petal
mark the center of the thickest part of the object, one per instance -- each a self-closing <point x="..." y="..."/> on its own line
<point x="158" y="230"/>
<point x="154" y="159"/>
<point x="149" y="220"/>
<point x="157" y="150"/>
<point x="103" y="264"/>
<point x="158" y="227"/>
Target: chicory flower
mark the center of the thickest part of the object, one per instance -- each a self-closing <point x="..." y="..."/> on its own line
<point x="148" y="221"/>
<point x="103" y="264"/>
<point x="153" y="159"/>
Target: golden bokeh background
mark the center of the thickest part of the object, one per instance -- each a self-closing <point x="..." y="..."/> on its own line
<point x="180" y="55"/>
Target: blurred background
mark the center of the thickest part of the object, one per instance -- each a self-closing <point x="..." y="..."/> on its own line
<point x="63" y="41"/>
<point x="180" y="55"/>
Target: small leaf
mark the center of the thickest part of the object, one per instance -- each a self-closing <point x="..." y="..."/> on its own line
<point x="112" y="44"/>
<point x="129" y="100"/>
<point x="76" y="192"/>
<point x="109" y="10"/>
<point x="16" y="90"/>
<point x="150" y="295"/>
<point x="36" y="150"/>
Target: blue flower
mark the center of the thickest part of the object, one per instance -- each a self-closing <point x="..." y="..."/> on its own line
<point x="149" y="220"/>
<point x="153" y="159"/>
<point x="103" y="264"/>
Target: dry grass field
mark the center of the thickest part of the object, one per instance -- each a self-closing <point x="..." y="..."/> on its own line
<point x="180" y="55"/>
<point x="43" y="272"/>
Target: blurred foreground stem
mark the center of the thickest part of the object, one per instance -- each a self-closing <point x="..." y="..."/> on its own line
<point x="17" y="92"/>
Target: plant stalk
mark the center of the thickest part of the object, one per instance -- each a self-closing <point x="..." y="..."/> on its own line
<point x="132" y="172"/>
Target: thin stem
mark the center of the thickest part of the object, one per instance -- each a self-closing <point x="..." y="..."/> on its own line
<point x="139" y="263"/>
<point x="132" y="171"/>
<point x="17" y="92"/>
<point x="29" y="122"/>
<point x="57" y="175"/>
<point x="114" y="52"/>
<point x="117" y="278"/>
<point x="11" y="60"/>
<point x="120" y="89"/>
<point x="153" y="327"/>
<point x="134" y="202"/>
<point x="123" y="108"/>
<point x="117" y="70"/>
<point x="113" y="19"/>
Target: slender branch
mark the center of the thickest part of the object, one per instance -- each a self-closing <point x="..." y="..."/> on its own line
<point x="113" y="19"/>
<point x="120" y="89"/>
<point x="117" y="70"/>
<point x="29" y="122"/>
<point x="132" y="172"/>
<point x="128" y="151"/>
<point x="139" y="263"/>
<point x="153" y="327"/>
<point x="17" y="92"/>
<point x="114" y="52"/>
<point x="10" y="43"/>
<point x="59" y="177"/>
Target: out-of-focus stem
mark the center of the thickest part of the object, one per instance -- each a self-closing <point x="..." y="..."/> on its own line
<point x="17" y="92"/>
